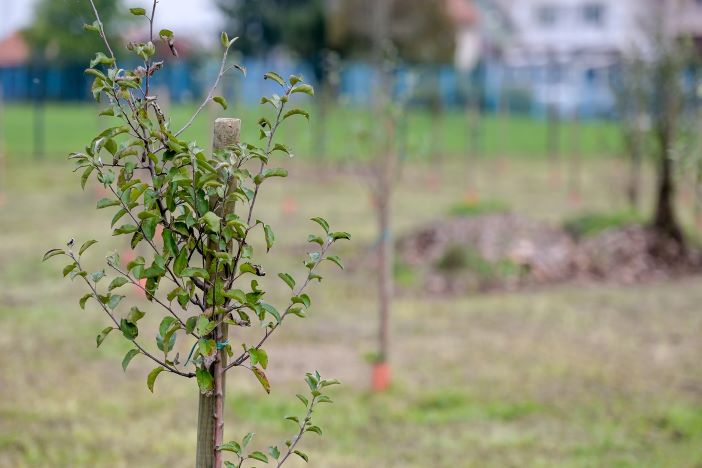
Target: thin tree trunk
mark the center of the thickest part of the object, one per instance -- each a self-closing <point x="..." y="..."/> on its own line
<point x="574" y="179"/>
<point x="210" y="421"/>
<point x="665" y="221"/>
<point x="634" y="185"/>
<point x="553" y="141"/>
<point x="473" y="143"/>
<point x="385" y="280"/>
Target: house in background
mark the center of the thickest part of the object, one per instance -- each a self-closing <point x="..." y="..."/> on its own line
<point x="14" y="55"/>
<point x="468" y="39"/>
<point x="561" y="52"/>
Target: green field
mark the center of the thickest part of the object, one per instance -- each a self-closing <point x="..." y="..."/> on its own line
<point x="579" y="375"/>
<point x="69" y="127"/>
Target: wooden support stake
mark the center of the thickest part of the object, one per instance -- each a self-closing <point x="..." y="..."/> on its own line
<point x="210" y="420"/>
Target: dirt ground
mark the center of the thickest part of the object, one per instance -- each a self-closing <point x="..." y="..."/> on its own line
<point x="576" y="375"/>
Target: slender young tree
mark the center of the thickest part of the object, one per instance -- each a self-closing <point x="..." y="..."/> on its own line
<point x="195" y="212"/>
<point x="630" y="93"/>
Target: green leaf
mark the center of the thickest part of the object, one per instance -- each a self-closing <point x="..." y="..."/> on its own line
<point x="304" y="88"/>
<point x="167" y="33"/>
<point x="135" y="314"/>
<point x="129" y="329"/>
<point x="84" y="299"/>
<point x="204" y="380"/>
<point x="261" y="376"/>
<point x="301" y="299"/>
<point x="86" y="245"/>
<point x="128" y="358"/>
<point x="275" y="77"/>
<point x="273" y="172"/>
<point x="224" y="39"/>
<point x="101" y="59"/>
<point x="166" y="324"/>
<point x="340" y="235"/>
<point x="231" y="446"/>
<point x="211" y="221"/>
<point x="181" y="261"/>
<point x="97" y="276"/>
<point x="251" y="268"/>
<point x="289" y="280"/>
<point x="302" y="455"/>
<point x="273" y="450"/>
<point x="114" y="301"/>
<point x="271" y="310"/>
<point x="117" y="282"/>
<point x="327" y="383"/>
<point x="221" y="101"/>
<point x="169" y="244"/>
<point x="247" y="439"/>
<point x="270" y="237"/>
<point x="296" y="111"/>
<point x="148" y="227"/>
<point x="190" y="324"/>
<point x="315" y="239"/>
<point x="106" y="202"/>
<point x="258" y="456"/>
<point x="335" y="259"/>
<point x="151" y="378"/>
<point x="303" y="399"/>
<point x="204" y="326"/>
<point x="315" y="429"/>
<point x="258" y="356"/>
<point x="322" y="222"/>
<point x="52" y="253"/>
<point x="85" y="175"/>
<point x="137" y="11"/>
<point x="125" y="229"/>
<point x="103" y="334"/>
<point x="195" y="273"/>
<point x="69" y="268"/>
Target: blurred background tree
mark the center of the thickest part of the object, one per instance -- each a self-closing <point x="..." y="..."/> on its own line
<point x="420" y="30"/>
<point x="298" y="26"/>
<point x="67" y="44"/>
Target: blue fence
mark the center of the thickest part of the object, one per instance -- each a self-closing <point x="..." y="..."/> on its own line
<point x="526" y="90"/>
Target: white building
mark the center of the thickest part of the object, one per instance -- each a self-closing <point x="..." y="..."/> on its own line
<point x="562" y="51"/>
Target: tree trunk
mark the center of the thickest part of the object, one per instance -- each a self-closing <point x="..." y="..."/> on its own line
<point x="634" y="183"/>
<point x="210" y="419"/>
<point x="553" y="142"/>
<point x="664" y="221"/>
<point x="574" y="179"/>
<point x="385" y="279"/>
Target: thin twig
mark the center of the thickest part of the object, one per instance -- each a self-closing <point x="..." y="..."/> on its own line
<point x="210" y="94"/>
<point x="245" y="355"/>
<point x="101" y="29"/>
<point x="114" y="320"/>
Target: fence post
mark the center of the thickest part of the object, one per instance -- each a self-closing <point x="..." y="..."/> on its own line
<point x="210" y="420"/>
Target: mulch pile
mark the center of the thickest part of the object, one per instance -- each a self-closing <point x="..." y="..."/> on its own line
<point x="509" y="251"/>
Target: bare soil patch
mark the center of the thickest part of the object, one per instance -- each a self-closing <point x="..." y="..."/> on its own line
<point x="510" y="251"/>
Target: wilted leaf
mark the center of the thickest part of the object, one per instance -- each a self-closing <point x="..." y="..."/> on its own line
<point x="261" y="376"/>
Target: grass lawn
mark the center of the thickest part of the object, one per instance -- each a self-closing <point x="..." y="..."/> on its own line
<point x="69" y="127"/>
<point x="576" y="375"/>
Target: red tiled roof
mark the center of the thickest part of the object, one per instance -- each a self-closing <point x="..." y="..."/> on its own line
<point x="13" y="50"/>
<point x="462" y="11"/>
